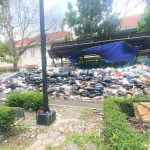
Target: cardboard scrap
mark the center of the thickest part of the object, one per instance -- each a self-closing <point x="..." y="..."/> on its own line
<point x="142" y="111"/>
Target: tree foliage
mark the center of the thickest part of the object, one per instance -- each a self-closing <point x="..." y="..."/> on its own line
<point x="70" y="19"/>
<point x="94" y="18"/>
<point x="7" y="53"/>
<point x="144" y="22"/>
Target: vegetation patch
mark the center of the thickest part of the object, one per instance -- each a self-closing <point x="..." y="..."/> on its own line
<point x="82" y="139"/>
<point x="32" y="100"/>
<point x="7" y="118"/>
<point x="118" y="133"/>
<point x="48" y="147"/>
<point x="85" y="113"/>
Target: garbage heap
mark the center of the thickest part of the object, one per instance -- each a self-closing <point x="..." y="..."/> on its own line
<point x="79" y="84"/>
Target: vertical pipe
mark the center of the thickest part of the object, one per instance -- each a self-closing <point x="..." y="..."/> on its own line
<point x="43" y="56"/>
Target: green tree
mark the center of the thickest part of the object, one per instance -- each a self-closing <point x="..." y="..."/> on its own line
<point x="95" y="19"/>
<point x="144" y="22"/>
<point x="7" y="53"/>
<point x="70" y="19"/>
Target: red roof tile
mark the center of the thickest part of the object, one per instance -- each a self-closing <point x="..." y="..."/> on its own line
<point x="59" y="35"/>
<point x="130" y="22"/>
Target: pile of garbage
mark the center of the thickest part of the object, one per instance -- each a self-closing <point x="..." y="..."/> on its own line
<point x="79" y="84"/>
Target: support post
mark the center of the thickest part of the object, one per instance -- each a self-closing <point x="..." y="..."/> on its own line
<point x="43" y="55"/>
<point x="61" y="61"/>
<point x="53" y="62"/>
<point x="46" y="117"/>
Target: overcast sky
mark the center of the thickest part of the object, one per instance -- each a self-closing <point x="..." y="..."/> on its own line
<point x="134" y="7"/>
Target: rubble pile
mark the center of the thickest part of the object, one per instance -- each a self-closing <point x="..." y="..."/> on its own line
<point x="78" y="84"/>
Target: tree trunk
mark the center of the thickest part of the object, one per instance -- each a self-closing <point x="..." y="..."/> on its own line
<point x="15" y="66"/>
<point x="71" y="34"/>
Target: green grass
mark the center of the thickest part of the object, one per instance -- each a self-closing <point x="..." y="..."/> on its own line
<point x="118" y="133"/>
<point x="81" y="139"/>
<point x="48" y="147"/>
<point x="84" y="113"/>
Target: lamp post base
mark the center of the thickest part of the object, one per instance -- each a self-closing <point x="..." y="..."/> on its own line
<point x="45" y="118"/>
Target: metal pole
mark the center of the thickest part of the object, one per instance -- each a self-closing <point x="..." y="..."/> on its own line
<point x="43" y="56"/>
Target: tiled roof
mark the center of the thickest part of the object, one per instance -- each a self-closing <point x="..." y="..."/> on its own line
<point x="129" y="22"/>
<point x="59" y="35"/>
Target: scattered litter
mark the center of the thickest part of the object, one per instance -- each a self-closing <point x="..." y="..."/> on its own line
<point x="79" y="84"/>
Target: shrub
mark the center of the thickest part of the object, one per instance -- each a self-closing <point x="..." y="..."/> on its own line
<point x="7" y="118"/>
<point x="15" y="99"/>
<point x="118" y="133"/>
<point x="28" y="100"/>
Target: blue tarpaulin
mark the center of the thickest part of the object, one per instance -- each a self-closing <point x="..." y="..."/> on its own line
<point x="112" y="52"/>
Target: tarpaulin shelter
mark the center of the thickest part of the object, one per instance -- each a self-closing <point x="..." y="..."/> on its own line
<point x="112" y="52"/>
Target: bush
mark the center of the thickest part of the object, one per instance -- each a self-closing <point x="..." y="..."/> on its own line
<point x="28" y="100"/>
<point x="7" y="118"/>
<point x="118" y="133"/>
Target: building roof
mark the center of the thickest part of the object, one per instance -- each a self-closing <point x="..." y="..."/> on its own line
<point x="55" y="36"/>
<point x="129" y="22"/>
<point x="66" y="49"/>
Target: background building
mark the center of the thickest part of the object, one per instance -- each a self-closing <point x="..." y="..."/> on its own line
<point x="129" y="22"/>
<point x="32" y="56"/>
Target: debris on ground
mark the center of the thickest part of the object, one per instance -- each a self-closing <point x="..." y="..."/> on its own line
<point x="81" y="84"/>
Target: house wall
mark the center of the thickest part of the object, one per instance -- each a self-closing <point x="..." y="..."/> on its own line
<point x="31" y="57"/>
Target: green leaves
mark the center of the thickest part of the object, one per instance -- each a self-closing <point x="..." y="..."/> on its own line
<point x="118" y="133"/>
<point x="7" y="53"/>
<point x="70" y="19"/>
<point x="93" y="19"/>
<point x="144" y="23"/>
<point x="82" y="139"/>
<point x="28" y="100"/>
<point x="7" y="118"/>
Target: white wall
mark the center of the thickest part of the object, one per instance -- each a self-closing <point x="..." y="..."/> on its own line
<point x="32" y="56"/>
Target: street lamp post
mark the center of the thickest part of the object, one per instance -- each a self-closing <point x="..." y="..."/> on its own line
<point x="47" y="116"/>
<point x="43" y="55"/>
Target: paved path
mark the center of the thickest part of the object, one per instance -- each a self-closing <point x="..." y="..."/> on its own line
<point x="89" y="104"/>
<point x="68" y="121"/>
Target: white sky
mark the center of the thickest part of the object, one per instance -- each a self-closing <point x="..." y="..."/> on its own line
<point x="134" y="7"/>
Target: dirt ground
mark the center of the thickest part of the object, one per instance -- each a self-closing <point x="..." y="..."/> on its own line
<point x="69" y="120"/>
